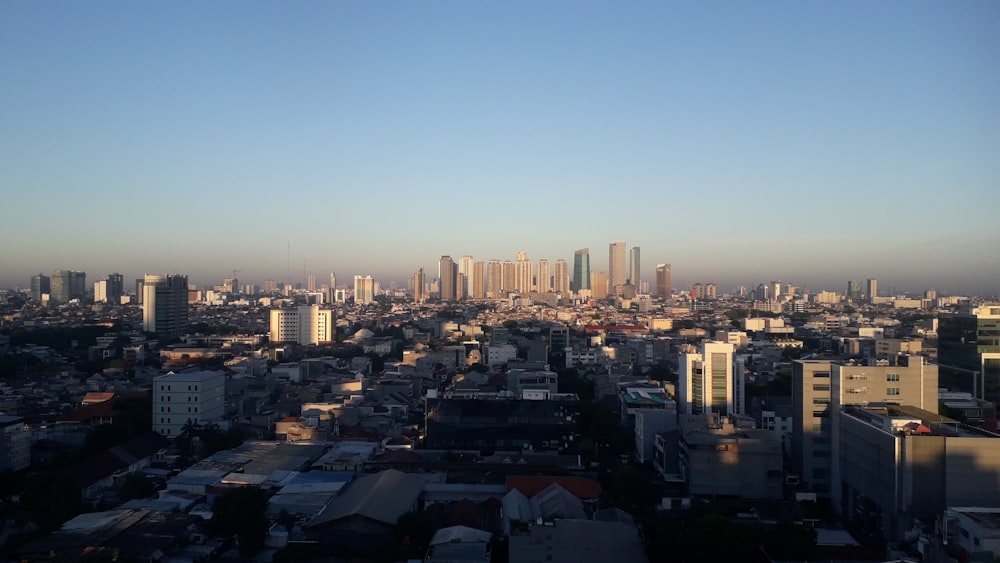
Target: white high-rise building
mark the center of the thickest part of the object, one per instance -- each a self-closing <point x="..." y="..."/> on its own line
<point x="616" y="264"/>
<point x="101" y="291"/>
<point x="561" y="277"/>
<point x="465" y="270"/>
<point x="305" y="324"/>
<point x="364" y="289"/>
<point x="522" y="273"/>
<point x="197" y="396"/>
<point x="165" y="305"/>
<point x="544" y="282"/>
<point x="705" y="382"/>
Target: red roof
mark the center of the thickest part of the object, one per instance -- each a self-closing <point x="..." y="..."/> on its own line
<point x="531" y="485"/>
<point x="89" y="412"/>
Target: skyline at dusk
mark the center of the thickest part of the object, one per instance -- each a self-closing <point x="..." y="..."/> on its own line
<point x="811" y="143"/>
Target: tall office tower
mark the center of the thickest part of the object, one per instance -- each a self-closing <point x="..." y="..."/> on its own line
<point x="581" y="270"/>
<point x="116" y="288"/>
<point x="544" y="282"/>
<point x="599" y="285"/>
<point x="633" y="267"/>
<point x="270" y="286"/>
<point x="820" y="388"/>
<point x="560" y="277"/>
<point x="509" y="281"/>
<point x="305" y="324"/>
<point x="522" y="273"/>
<point x="66" y="285"/>
<point x="101" y="291"/>
<point x="447" y="274"/>
<point x="854" y="290"/>
<point x="419" y="279"/>
<point x="364" y="289"/>
<point x="201" y="398"/>
<point x="705" y="382"/>
<point x="616" y="264"/>
<point x="310" y="283"/>
<point x="333" y="288"/>
<point x="478" y="281"/>
<point x="494" y="279"/>
<point x="969" y="350"/>
<point x="711" y="291"/>
<point x="776" y="289"/>
<point x="930" y="294"/>
<point x="872" y="290"/>
<point x="165" y="305"/>
<point x="465" y="268"/>
<point x="663" y="281"/>
<point x="40" y="285"/>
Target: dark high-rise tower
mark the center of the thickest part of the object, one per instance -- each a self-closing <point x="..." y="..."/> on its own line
<point x="663" y="280"/>
<point x="581" y="270"/>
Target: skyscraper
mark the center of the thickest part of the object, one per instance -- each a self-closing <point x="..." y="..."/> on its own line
<point x="66" y="285"/>
<point x="663" y="281"/>
<point x="872" y="290"/>
<point x="494" y="279"/>
<point x="616" y="264"/>
<point x="116" y="288"/>
<point x="465" y="269"/>
<point x="310" y="283"/>
<point x="854" y="290"/>
<point x="478" y="281"/>
<point x="165" y="305"/>
<point x="40" y="285"/>
<point x="522" y="273"/>
<point x="581" y="271"/>
<point x="364" y="289"/>
<point x="705" y="382"/>
<point x="633" y="267"/>
<point x="448" y="276"/>
<point x="598" y="285"/>
<point x="560" y="279"/>
<point x="544" y="282"/>
<point x="418" y="286"/>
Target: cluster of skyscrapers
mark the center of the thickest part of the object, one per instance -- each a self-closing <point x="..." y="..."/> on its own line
<point x="470" y="279"/>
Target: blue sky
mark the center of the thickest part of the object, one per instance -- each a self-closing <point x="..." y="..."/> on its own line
<point x="740" y="141"/>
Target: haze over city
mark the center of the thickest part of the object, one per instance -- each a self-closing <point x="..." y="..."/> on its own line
<point x="740" y="142"/>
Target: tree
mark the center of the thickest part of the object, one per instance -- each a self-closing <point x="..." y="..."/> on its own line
<point x="56" y="498"/>
<point x="241" y="512"/>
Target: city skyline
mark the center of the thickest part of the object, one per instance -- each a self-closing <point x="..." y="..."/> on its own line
<point x="814" y="143"/>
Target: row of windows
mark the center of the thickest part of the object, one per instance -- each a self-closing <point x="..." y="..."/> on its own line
<point x="892" y="391"/>
<point x="168" y="409"/>
<point x="892" y="377"/>
<point x="167" y="388"/>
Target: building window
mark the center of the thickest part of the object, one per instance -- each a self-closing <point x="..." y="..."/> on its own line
<point x="821" y="387"/>
<point x="892" y="391"/>
<point x="892" y="377"/>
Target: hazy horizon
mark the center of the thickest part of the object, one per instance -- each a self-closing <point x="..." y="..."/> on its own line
<point x="740" y="142"/>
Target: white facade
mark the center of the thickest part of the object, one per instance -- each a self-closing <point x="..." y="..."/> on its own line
<point x="306" y="324"/>
<point x="364" y="289"/>
<point x="705" y="382"/>
<point x="198" y="396"/>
